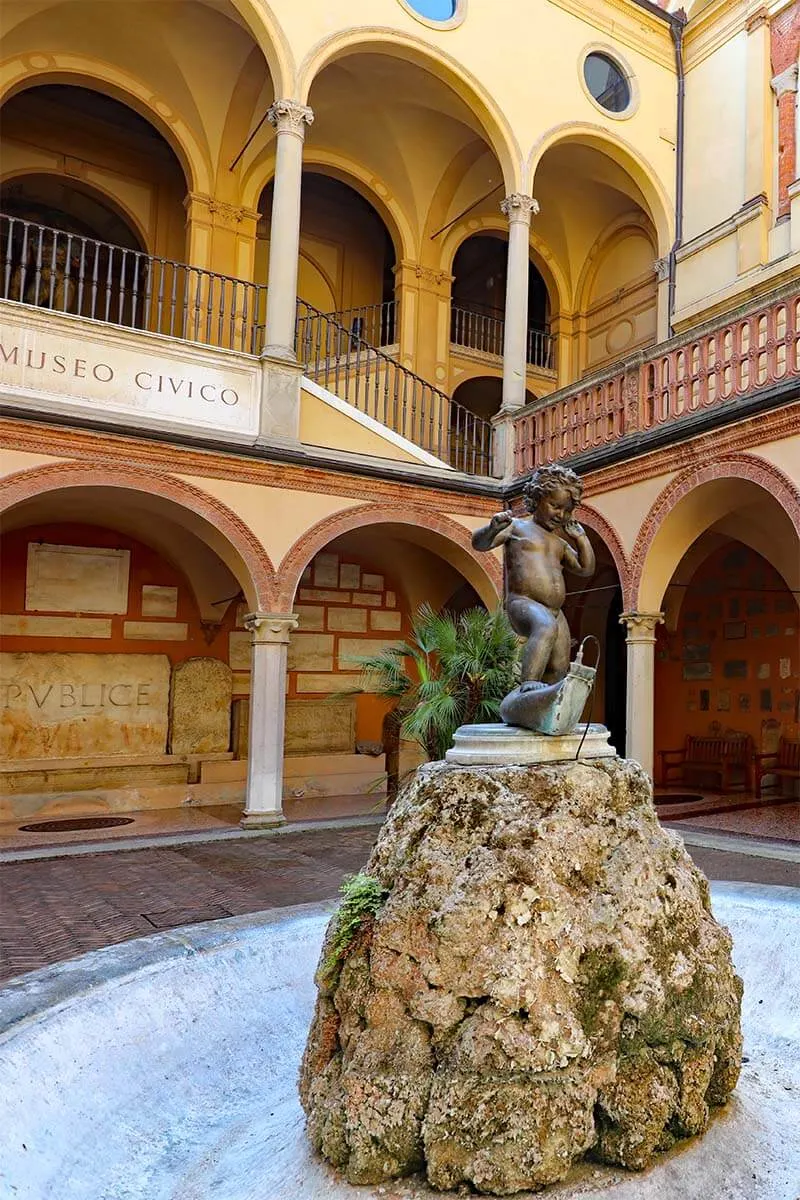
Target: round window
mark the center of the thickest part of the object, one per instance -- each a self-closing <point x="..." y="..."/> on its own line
<point x="435" y="10"/>
<point x="606" y="82"/>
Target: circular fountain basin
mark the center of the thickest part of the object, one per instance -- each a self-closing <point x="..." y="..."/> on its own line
<point x="166" y="1069"/>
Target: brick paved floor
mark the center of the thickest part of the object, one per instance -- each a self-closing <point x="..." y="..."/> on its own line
<point x="52" y="909"/>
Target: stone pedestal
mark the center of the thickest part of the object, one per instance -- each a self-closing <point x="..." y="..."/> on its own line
<point x="508" y="745"/>
<point x="533" y="975"/>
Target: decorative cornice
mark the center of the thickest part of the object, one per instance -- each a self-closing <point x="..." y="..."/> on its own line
<point x="219" y="211"/>
<point x="519" y="207"/>
<point x="785" y="82"/>
<point x="756" y="19"/>
<point x="431" y="276"/>
<point x="271" y="629"/>
<point x="288" y="116"/>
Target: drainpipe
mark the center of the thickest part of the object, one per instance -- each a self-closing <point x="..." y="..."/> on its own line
<point x="676" y="29"/>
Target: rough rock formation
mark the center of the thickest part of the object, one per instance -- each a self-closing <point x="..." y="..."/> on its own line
<point x="544" y="981"/>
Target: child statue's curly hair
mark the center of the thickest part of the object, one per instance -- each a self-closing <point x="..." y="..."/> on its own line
<point x="549" y="479"/>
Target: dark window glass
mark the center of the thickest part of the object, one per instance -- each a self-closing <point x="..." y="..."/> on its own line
<point x="606" y="82"/>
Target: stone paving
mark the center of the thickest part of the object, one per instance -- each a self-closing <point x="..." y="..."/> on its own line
<point x="56" y="908"/>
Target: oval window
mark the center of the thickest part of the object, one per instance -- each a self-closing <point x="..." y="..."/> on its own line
<point x="434" y="10"/>
<point x="606" y="82"/>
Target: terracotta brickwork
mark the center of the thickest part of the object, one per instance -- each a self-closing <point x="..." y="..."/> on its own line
<point x="784" y="53"/>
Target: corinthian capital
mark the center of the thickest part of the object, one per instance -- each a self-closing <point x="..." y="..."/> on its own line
<point x="519" y="208"/>
<point x="270" y="628"/>
<point x="641" y="626"/>
<point x="290" y="117"/>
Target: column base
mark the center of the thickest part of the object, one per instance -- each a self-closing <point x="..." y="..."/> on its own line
<point x="261" y="820"/>
<point x="283" y="353"/>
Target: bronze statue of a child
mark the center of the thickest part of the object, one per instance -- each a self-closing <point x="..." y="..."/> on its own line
<point x="536" y="556"/>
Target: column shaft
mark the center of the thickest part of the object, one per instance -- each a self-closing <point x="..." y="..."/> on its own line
<point x="641" y="641"/>
<point x="264" y="801"/>
<point x="518" y="209"/>
<point x="290" y="120"/>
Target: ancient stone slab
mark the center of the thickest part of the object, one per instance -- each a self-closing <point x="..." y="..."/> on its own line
<point x="328" y="684"/>
<point x="312" y="616"/>
<point x="391" y="599"/>
<point x="60" y="627"/>
<point x="311" y="652"/>
<point x="240" y="727"/>
<point x="322" y="594"/>
<point x="239" y="648"/>
<point x="349" y="575"/>
<point x="156" y="631"/>
<point x="348" y="620"/>
<point x="372" y="583"/>
<point x="83" y="579"/>
<point x="355" y="648"/>
<point x="241" y="683"/>
<point x="385" y="620"/>
<point x="369" y="598"/>
<point x="326" y="570"/>
<point x="320" y="726"/>
<point x="159" y="601"/>
<point x="83" y="705"/>
<point x="200" y="707"/>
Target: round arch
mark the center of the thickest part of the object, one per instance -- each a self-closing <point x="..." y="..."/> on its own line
<point x="539" y="253"/>
<point x="271" y="41"/>
<point x="117" y="206"/>
<point x="499" y="134"/>
<point x="113" y="81"/>
<point x="592" y="519"/>
<point x="337" y="166"/>
<point x="684" y="510"/>
<point x="442" y="535"/>
<point x="205" y="516"/>
<point x="659" y="205"/>
<point x="615" y="233"/>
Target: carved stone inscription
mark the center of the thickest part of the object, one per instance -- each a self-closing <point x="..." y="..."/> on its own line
<point x="83" y="705"/>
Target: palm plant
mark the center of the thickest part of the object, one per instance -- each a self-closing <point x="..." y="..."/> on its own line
<point x="453" y="670"/>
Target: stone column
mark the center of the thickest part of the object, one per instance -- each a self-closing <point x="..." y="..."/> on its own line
<point x="264" y="801"/>
<point x="641" y="640"/>
<point x="519" y="209"/>
<point x="290" y="120"/>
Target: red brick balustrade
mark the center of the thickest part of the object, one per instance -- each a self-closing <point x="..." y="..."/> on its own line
<point x="721" y="362"/>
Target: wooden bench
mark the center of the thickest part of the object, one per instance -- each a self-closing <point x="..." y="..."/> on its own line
<point x="720" y="757"/>
<point x="784" y="762"/>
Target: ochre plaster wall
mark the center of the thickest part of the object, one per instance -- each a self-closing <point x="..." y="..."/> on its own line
<point x="738" y="627"/>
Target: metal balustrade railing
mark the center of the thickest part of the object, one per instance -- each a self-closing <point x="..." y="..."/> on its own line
<point x="375" y="323"/>
<point x="69" y="273"/>
<point x="717" y="364"/>
<point x="372" y="381"/>
<point x="484" y="331"/>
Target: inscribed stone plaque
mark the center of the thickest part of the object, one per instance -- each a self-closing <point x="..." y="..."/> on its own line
<point x="156" y="631"/>
<point x="386" y="620"/>
<point x="763" y="671"/>
<point x="351" y="649"/>
<point x="391" y="599"/>
<point x="326" y="570"/>
<point x="326" y="685"/>
<point x="371" y="599"/>
<point x="312" y="616"/>
<point x="697" y="670"/>
<point x="348" y="620"/>
<point x="239" y="645"/>
<point x="200" y="707"/>
<point x="372" y="583"/>
<point x="321" y="594"/>
<point x="696" y="652"/>
<point x="735" y="668"/>
<point x="349" y="575"/>
<point x="311" y="652"/>
<point x="60" y="627"/>
<point x="83" y="705"/>
<point x="320" y="726"/>
<point x="82" y="579"/>
<point x="734" y="630"/>
<point x="240" y="727"/>
<point x="159" y="601"/>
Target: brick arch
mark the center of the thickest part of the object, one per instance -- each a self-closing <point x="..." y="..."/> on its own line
<point x="594" y="520"/>
<point x="740" y="466"/>
<point x="318" y="536"/>
<point x="24" y="485"/>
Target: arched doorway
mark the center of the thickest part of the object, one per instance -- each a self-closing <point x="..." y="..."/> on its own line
<point x="479" y="293"/>
<point x="356" y="594"/>
<point x="125" y="660"/>
<point x="347" y="257"/>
